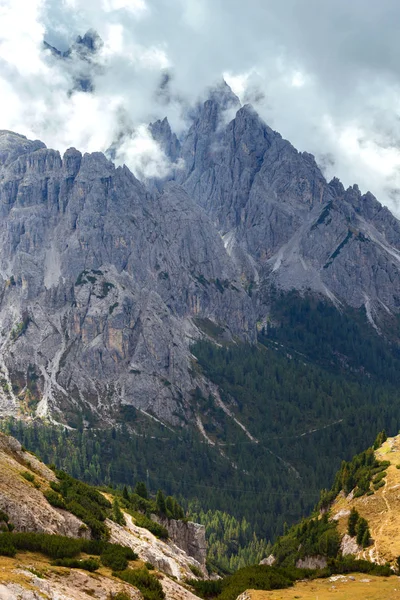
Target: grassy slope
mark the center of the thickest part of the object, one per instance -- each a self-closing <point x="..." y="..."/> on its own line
<point x="34" y="572"/>
<point x="382" y="509"/>
<point x="362" y="588"/>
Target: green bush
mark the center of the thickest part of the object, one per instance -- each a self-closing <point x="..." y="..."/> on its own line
<point x="378" y="485"/>
<point x="83" y="501"/>
<point x="28" y="476"/>
<point x="196" y="571"/>
<point x="145" y="582"/>
<point x="54" y="546"/>
<point x="352" y="524"/>
<point x="88" y="564"/>
<point x="60" y="547"/>
<point x="7" y="548"/>
<point x="259" y="577"/>
<point x="116" y="557"/>
<point x="155" y="528"/>
<point x="349" y="564"/>
<point x="54" y="499"/>
<point x="207" y="589"/>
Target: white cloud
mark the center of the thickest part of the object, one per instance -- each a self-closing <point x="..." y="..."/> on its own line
<point x="137" y="7"/>
<point x="324" y="74"/>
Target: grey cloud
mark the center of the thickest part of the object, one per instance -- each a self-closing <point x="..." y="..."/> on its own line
<point x="324" y="74"/>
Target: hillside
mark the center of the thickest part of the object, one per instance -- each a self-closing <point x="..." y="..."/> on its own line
<point x="213" y="333"/>
<point x="35" y="501"/>
<point x="381" y="509"/>
<point x="357" y="587"/>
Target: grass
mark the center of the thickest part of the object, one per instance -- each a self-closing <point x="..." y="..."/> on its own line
<point x="382" y="509"/>
<point x="377" y="588"/>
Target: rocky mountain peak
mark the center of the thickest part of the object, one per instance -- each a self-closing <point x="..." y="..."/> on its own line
<point x="13" y="145"/>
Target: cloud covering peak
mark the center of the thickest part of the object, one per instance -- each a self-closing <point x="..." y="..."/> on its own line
<point x="324" y="74"/>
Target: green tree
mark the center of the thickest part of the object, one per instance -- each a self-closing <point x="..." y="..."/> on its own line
<point x="362" y="528"/>
<point x="141" y="490"/>
<point x="118" y="516"/>
<point x="160" y="502"/>
<point x="352" y="525"/>
<point x="125" y="494"/>
<point x="366" y="538"/>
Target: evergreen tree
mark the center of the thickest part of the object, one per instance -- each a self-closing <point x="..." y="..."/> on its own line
<point x="141" y="490"/>
<point x="118" y="516"/>
<point x="365" y="542"/>
<point x="125" y="493"/>
<point x="362" y="528"/>
<point x="160" y="502"/>
<point x="352" y="525"/>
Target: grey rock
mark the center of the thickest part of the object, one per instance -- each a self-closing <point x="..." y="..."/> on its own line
<point x="312" y="562"/>
<point x="189" y="536"/>
<point x="282" y="223"/>
<point x="100" y="282"/>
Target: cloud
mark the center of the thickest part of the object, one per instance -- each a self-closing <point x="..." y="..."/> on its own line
<point x="324" y="74"/>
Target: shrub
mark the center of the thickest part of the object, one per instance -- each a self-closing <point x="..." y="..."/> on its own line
<point x="363" y="534"/>
<point x="28" y="476"/>
<point x="88" y="564"/>
<point x="6" y="547"/>
<point x="196" y="571"/>
<point x="54" y="499"/>
<point x="54" y="546"/>
<point x="207" y="589"/>
<point x="155" y="528"/>
<point x="116" y="557"/>
<point x="145" y="582"/>
<point x="85" y="502"/>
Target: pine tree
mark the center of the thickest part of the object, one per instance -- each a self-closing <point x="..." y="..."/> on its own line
<point x="366" y="538"/>
<point x="141" y="490"/>
<point x="362" y="527"/>
<point x="118" y="516"/>
<point x="352" y="525"/>
<point x="160" y="502"/>
<point x="125" y="493"/>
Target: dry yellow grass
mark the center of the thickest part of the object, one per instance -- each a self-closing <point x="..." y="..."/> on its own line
<point x="382" y="509"/>
<point x="365" y="587"/>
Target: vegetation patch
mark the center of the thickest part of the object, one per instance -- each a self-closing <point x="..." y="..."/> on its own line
<point x="147" y="583"/>
<point x="87" y="564"/>
<point x="209" y="327"/>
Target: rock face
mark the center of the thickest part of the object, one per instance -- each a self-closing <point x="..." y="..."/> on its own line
<point x="191" y="537"/>
<point x="312" y="562"/>
<point x="168" y="556"/>
<point x="281" y="221"/>
<point x="99" y="284"/>
<point x="105" y="282"/>
<point x="25" y="505"/>
<point x="23" y="482"/>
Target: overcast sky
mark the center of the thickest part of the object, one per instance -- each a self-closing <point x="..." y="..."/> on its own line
<point x="324" y="73"/>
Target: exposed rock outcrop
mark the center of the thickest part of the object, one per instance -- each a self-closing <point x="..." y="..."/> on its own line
<point x="99" y="285"/>
<point x="104" y="284"/>
<point x="189" y="536"/>
<point x="23" y="502"/>
<point x="312" y="562"/>
<point x="166" y="556"/>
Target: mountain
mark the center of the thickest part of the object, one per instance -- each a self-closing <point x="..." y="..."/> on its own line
<point x="363" y="496"/>
<point x="38" y="513"/>
<point x="102" y="284"/>
<point x="229" y="332"/>
<point x="281" y="221"/>
<point x="108" y="283"/>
